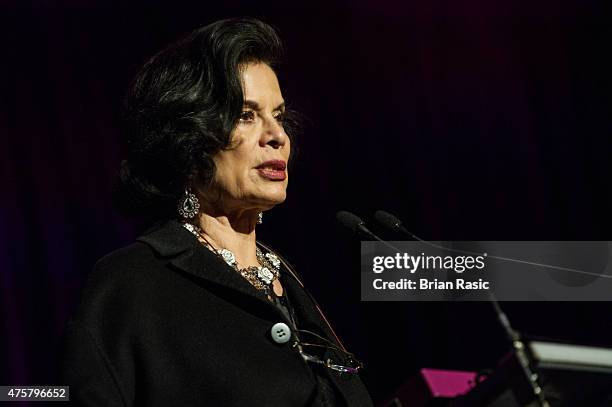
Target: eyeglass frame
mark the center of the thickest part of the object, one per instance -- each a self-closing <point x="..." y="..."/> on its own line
<point x="328" y="345"/>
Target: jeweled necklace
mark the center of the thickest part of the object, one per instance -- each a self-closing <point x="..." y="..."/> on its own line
<point x="261" y="277"/>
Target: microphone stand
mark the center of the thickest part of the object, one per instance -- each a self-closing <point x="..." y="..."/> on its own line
<point x="520" y="351"/>
<point x="518" y="346"/>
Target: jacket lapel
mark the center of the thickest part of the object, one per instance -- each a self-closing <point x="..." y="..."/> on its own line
<point x="184" y="252"/>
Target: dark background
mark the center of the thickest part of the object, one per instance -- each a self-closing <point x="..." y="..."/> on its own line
<point x="474" y="120"/>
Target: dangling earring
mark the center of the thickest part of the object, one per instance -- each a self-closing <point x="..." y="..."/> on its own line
<point x="260" y="218"/>
<point x="188" y="206"/>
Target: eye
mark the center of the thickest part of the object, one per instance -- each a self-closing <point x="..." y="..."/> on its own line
<point x="280" y="117"/>
<point x="247" y="116"/>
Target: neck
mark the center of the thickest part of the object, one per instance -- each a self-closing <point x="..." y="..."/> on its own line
<point x="232" y="232"/>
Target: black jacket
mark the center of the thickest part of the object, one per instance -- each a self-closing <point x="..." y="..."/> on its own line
<point x="165" y="322"/>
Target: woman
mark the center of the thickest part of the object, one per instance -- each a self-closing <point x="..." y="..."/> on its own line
<point x="196" y="311"/>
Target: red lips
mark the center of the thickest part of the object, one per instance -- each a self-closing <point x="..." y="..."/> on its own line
<point x="273" y="170"/>
<point x="277" y="165"/>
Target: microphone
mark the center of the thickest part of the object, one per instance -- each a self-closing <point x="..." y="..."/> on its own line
<point x="392" y="223"/>
<point x="354" y="223"/>
<point x="357" y="226"/>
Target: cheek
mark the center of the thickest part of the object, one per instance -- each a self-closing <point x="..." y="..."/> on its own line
<point x="235" y="171"/>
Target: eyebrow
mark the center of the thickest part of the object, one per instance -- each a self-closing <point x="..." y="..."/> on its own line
<point x="255" y="106"/>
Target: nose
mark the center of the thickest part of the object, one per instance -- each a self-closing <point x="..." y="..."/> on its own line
<point x="273" y="134"/>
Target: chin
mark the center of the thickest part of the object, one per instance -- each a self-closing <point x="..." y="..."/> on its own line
<point x="274" y="198"/>
<point x="278" y="199"/>
<point x="267" y="196"/>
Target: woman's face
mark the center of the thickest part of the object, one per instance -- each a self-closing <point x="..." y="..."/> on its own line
<point x="252" y="172"/>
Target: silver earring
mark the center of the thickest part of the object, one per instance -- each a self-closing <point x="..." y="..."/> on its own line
<point x="260" y="218"/>
<point x="188" y="206"/>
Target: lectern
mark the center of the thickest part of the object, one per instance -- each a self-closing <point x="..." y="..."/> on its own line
<point x="570" y="375"/>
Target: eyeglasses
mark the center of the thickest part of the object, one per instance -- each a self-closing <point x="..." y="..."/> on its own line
<point x="350" y="364"/>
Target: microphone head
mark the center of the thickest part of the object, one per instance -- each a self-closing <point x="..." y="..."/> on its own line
<point x="387" y="220"/>
<point x="349" y="220"/>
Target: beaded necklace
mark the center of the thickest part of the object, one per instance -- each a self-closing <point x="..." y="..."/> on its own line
<point x="261" y="277"/>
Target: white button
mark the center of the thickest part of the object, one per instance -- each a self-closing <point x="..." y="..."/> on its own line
<point x="280" y="332"/>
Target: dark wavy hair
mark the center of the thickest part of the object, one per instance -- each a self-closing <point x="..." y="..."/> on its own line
<point x="180" y="110"/>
